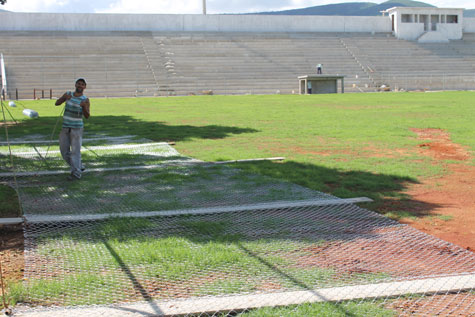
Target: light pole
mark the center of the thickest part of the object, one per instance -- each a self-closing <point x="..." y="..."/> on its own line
<point x="204" y="7"/>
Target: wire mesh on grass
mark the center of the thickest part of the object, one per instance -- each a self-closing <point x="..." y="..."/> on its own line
<point x="177" y="187"/>
<point x="34" y="158"/>
<point x="249" y="262"/>
<point x="38" y="139"/>
<point x="176" y="262"/>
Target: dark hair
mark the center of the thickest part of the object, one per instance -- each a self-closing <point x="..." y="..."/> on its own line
<point x="81" y="79"/>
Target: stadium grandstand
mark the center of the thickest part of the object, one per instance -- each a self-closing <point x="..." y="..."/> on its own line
<point x="161" y="55"/>
<point x="152" y="232"/>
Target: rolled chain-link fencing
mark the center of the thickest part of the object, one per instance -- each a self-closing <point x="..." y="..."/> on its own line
<point x="148" y="231"/>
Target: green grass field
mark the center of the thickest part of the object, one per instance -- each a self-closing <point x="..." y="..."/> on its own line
<point x="190" y="256"/>
<point x="233" y="127"/>
<point x="348" y="144"/>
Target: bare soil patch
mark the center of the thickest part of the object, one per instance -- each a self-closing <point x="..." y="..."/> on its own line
<point x="11" y="254"/>
<point x="440" y="146"/>
<point x="378" y="256"/>
<point x="453" y="200"/>
<point x="451" y="197"/>
<point x="438" y="305"/>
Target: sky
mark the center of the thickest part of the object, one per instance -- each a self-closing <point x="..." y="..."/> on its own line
<point x="187" y="6"/>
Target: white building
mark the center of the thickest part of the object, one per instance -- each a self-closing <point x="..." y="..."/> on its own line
<point x="423" y="24"/>
<point x="426" y="24"/>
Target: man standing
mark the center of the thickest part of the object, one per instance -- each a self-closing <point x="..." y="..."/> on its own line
<point x="319" y="68"/>
<point x="70" y="138"/>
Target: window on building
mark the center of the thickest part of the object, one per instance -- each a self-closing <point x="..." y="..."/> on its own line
<point x="452" y="19"/>
<point x="406" y="18"/>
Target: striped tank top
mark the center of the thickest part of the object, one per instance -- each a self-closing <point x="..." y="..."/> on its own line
<point x="72" y="117"/>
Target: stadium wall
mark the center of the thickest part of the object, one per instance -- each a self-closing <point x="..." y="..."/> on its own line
<point x="469" y="25"/>
<point x="12" y="21"/>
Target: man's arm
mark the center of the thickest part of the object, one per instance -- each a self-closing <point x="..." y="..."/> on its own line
<point x="62" y="99"/>
<point x="86" y="108"/>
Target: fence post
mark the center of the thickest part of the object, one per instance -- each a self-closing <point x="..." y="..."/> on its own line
<point x="50" y="93"/>
<point x="34" y="93"/>
<point x="42" y="93"/>
<point x="16" y="93"/>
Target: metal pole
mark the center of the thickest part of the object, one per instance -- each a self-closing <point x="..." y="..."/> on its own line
<point x="204" y="7"/>
<point x="4" y="75"/>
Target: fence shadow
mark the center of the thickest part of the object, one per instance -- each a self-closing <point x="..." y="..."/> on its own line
<point x="110" y="126"/>
<point x="387" y="191"/>
<point x="194" y="247"/>
<point x="128" y="125"/>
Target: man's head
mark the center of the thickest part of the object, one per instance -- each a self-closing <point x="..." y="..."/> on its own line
<point x="80" y="85"/>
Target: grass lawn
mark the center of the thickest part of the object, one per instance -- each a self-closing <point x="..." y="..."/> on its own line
<point x="125" y="259"/>
<point x="347" y="145"/>
<point x="323" y="309"/>
<point x="162" y="189"/>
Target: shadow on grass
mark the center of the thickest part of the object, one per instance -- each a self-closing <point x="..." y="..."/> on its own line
<point x="112" y="126"/>
<point x="187" y="249"/>
<point x="387" y="191"/>
<point x="135" y="282"/>
<point x="339" y="308"/>
<point x="149" y="299"/>
<point x="9" y="207"/>
<point x="231" y="233"/>
<point x="128" y="125"/>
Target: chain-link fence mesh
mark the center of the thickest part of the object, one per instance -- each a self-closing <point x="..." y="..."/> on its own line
<point x="179" y="264"/>
<point x="44" y="159"/>
<point x="177" y="236"/>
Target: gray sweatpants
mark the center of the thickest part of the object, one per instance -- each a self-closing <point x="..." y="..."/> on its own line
<point x="70" y="142"/>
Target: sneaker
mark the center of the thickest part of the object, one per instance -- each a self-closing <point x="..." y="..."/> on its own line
<point x="83" y="169"/>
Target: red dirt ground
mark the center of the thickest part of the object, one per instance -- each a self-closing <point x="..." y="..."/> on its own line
<point x="437" y="305"/>
<point x="11" y="254"/>
<point x="452" y="195"/>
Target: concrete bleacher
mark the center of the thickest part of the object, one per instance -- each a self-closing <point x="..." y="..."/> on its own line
<point x="114" y="63"/>
<point x="411" y="65"/>
<point x="126" y="64"/>
<point x="239" y="63"/>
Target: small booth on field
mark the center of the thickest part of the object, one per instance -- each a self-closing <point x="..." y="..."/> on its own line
<point x="320" y="84"/>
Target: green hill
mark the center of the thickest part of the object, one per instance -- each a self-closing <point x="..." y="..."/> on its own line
<point x="350" y="8"/>
<point x="357" y="8"/>
<point x="377" y="8"/>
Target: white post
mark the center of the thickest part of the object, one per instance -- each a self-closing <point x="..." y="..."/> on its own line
<point x="4" y="77"/>
<point x="204" y="7"/>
